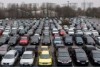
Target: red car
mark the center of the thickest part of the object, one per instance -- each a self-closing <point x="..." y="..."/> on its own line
<point x="24" y="40"/>
<point x="1" y="31"/>
<point x="62" y="32"/>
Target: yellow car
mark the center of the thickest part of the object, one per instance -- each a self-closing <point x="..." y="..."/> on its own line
<point x="44" y="48"/>
<point x="45" y="58"/>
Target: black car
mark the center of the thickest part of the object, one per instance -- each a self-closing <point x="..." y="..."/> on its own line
<point x="3" y="40"/>
<point x="13" y="32"/>
<point x="95" y="57"/>
<point x="79" y="41"/>
<point x="63" y="57"/>
<point x="89" y="40"/>
<point x="38" y="31"/>
<point x="46" y="41"/>
<point x="32" y="48"/>
<point x="80" y="57"/>
<point x="34" y="40"/>
<point x="20" y="49"/>
<point x="13" y="41"/>
<point x="21" y="32"/>
<point x="30" y="32"/>
<point x="88" y="48"/>
<point x="56" y="46"/>
<point x="68" y="40"/>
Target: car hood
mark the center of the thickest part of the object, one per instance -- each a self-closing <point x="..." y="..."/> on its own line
<point x="26" y="61"/>
<point x="97" y="59"/>
<point x="8" y="60"/>
<point x="64" y="58"/>
<point x="82" y="58"/>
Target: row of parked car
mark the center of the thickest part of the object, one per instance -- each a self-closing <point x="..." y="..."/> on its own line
<point x="25" y="41"/>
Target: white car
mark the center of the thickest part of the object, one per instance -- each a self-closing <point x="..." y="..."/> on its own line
<point x="55" y="31"/>
<point x="27" y="58"/>
<point x="87" y="32"/>
<point x="79" y="32"/>
<point x="10" y="57"/>
<point x="6" y="32"/>
<point x="2" y="27"/>
<point x="95" y="33"/>
<point x="21" y="28"/>
<point x="71" y="32"/>
<point x="65" y="27"/>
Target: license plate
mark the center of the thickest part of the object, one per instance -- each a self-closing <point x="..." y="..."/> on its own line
<point x="83" y="62"/>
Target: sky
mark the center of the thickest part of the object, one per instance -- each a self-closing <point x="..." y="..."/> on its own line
<point x="96" y="3"/>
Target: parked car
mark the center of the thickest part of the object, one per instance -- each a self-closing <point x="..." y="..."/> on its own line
<point x="34" y="40"/>
<point x="3" y="40"/>
<point x="62" y="32"/>
<point x="63" y="57"/>
<point x="79" y="41"/>
<point x="32" y="48"/>
<point x="68" y="40"/>
<point x="24" y="40"/>
<point x="27" y="58"/>
<point x="57" y="40"/>
<point x="71" y="32"/>
<point x="95" y="57"/>
<point x="88" y="48"/>
<point x="21" y="32"/>
<point x="13" y="41"/>
<point x="97" y="40"/>
<point x="20" y="49"/>
<point x="45" y="58"/>
<point x="46" y="41"/>
<point x="80" y="57"/>
<point x="4" y="48"/>
<point x="10" y="58"/>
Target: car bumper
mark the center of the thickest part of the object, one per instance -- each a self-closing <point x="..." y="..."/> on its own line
<point x="64" y="64"/>
<point x="42" y="64"/>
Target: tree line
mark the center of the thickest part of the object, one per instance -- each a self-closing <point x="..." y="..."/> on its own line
<point x="32" y="10"/>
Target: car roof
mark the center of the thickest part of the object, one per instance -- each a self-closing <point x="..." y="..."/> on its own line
<point x="95" y="51"/>
<point x="79" y="50"/>
<point x="11" y="51"/>
<point x="62" y="49"/>
<point x="45" y="52"/>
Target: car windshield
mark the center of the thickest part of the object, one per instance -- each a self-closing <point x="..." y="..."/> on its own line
<point x="44" y="56"/>
<point x="58" y="39"/>
<point x="9" y="56"/>
<point x="24" y="38"/>
<point x="96" y="55"/>
<point x="63" y="54"/>
<point x="27" y="56"/>
<point x="80" y="55"/>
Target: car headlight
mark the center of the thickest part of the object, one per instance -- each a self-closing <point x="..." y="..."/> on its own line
<point x="70" y="61"/>
<point x="59" y="61"/>
<point x="78" y="61"/>
<point x="87" y="61"/>
<point x="95" y="61"/>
